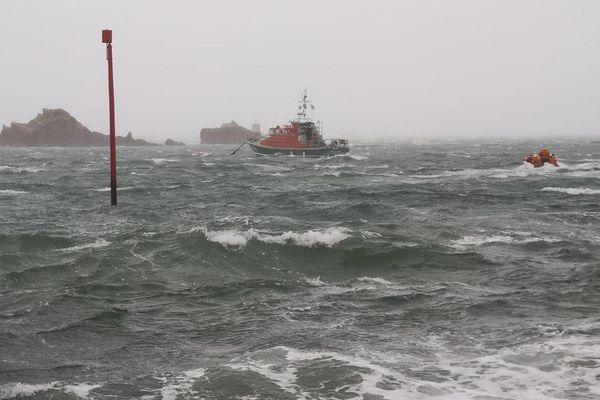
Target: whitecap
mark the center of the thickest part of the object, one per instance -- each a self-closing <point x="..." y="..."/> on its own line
<point x="514" y="238"/>
<point x="521" y="171"/>
<point x="377" y="280"/>
<point x="107" y="189"/>
<point x="228" y="238"/>
<point x="336" y="166"/>
<point x="316" y="282"/>
<point x="263" y="174"/>
<point x="98" y="243"/>
<point x="20" y="170"/>
<point x="334" y="173"/>
<point x="383" y="166"/>
<point x="238" y="238"/>
<point x="180" y="385"/>
<point x="575" y="191"/>
<point x="355" y="157"/>
<point x="537" y="370"/>
<point x="81" y="390"/>
<point x="11" y="192"/>
<point x="370" y="235"/>
<point x="14" y="390"/>
<point x="160" y="161"/>
<point x="327" y="237"/>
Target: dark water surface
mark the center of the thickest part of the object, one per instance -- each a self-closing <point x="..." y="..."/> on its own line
<point x="401" y="271"/>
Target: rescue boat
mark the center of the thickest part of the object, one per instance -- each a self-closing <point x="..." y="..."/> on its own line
<point x="301" y="137"/>
<point x="541" y="157"/>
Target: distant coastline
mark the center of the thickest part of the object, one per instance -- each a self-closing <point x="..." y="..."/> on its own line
<point x="56" y="127"/>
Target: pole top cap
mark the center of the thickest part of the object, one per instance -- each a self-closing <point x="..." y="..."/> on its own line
<point x="106" y="36"/>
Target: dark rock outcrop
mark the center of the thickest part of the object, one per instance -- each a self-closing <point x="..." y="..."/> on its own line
<point x="171" y="142"/>
<point x="56" y="127"/>
<point x="230" y="133"/>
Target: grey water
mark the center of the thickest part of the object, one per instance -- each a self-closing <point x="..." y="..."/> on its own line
<point x="408" y="270"/>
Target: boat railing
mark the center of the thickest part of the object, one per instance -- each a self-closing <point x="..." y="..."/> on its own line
<point x="335" y="142"/>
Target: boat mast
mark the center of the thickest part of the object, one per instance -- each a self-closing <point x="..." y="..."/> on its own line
<point x="304" y="104"/>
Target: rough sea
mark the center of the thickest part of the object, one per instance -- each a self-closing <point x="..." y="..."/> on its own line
<point x="409" y="270"/>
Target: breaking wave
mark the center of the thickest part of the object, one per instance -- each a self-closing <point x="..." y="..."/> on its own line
<point x="238" y="238"/>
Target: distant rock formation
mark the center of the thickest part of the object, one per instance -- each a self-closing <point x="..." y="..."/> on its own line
<point x="171" y="142"/>
<point x="230" y="133"/>
<point x="56" y="127"/>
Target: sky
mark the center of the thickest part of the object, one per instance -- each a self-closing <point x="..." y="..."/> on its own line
<point x="375" y="69"/>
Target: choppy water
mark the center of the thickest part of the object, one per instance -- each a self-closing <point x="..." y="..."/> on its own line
<point x="401" y="271"/>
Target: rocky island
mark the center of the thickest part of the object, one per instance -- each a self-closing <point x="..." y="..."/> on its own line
<point x="56" y="127"/>
<point x="229" y="133"/>
<point x="171" y="142"/>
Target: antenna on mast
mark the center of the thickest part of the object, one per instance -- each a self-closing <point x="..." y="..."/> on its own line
<point x="304" y="105"/>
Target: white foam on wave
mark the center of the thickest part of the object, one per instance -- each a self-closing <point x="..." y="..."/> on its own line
<point x="370" y="235"/>
<point x="582" y="170"/>
<point x="20" y="170"/>
<point x="180" y="385"/>
<point x="376" y="280"/>
<point x="383" y="166"/>
<point x="521" y="171"/>
<point x="271" y="167"/>
<point x="335" y="166"/>
<point x="575" y="191"/>
<point x="160" y="161"/>
<point x="263" y="174"/>
<point x="545" y="370"/>
<point x="10" y="192"/>
<point x="333" y="173"/>
<point x="20" y="390"/>
<point x="508" y="238"/>
<point x="283" y="377"/>
<point x="14" y="390"/>
<point x="355" y="157"/>
<point x="98" y="243"/>
<point x="238" y="238"/>
<point x="587" y="165"/>
<point x="107" y="189"/>
<point x="282" y="366"/>
<point x="552" y="367"/>
<point x="82" y="390"/>
<point x="316" y="282"/>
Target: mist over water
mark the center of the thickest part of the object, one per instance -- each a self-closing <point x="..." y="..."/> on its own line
<point x="400" y="271"/>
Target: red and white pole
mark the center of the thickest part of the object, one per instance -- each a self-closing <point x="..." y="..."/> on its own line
<point x="107" y="38"/>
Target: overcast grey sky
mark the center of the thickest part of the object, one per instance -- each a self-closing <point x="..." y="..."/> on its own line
<point x="397" y="68"/>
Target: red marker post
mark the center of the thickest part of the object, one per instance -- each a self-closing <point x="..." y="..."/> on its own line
<point x="107" y="38"/>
